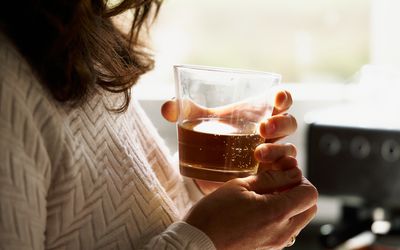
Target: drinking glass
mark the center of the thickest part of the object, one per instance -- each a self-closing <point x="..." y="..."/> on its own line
<point x="219" y="115"/>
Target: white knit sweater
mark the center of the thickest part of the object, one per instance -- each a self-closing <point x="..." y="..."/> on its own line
<point x="84" y="178"/>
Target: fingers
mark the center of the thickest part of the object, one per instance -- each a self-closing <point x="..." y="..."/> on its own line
<point x="286" y="162"/>
<point x="296" y="200"/>
<point x="278" y="126"/>
<point x="272" y="180"/>
<point x="169" y="111"/>
<point x="268" y="152"/>
<point x="283" y="101"/>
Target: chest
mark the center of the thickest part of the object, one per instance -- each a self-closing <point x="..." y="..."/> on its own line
<point x="104" y="191"/>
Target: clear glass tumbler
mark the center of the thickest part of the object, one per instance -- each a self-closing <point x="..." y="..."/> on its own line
<point x="219" y="115"/>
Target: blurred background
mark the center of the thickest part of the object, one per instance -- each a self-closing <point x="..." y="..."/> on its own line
<point x="306" y="41"/>
<point x="340" y="60"/>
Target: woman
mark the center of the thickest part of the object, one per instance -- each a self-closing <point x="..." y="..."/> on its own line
<point x="82" y="167"/>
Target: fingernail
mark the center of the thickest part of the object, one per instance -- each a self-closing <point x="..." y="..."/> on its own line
<point x="264" y="153"/>
<point x="285" y="96"/>
<point x="259" y="154"/>
<point x="281" y="98"/>
<point x="269" y="128"/>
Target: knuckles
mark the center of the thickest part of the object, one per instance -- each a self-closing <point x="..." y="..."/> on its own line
<point x="292" y="149"/>
<point x="268" y="176"/>
<point x="293" y="121"/>
<point x="269" y="152"/>
<point x="296" y="174"/>
<point x="312" y="192"/>
<point x="314" y="210"/>
<point x="287" y="162"/>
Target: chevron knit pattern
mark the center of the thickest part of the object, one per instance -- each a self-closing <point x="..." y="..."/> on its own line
<point x="84" y="178"/>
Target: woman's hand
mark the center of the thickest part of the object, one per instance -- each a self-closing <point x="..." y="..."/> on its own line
<point x="274" y="128"/>
<point x="278" y="126"/>
<point x="170" y="110"/>
<point x="261" y="211"/>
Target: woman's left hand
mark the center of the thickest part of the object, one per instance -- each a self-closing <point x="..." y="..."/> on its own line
<point x="276" y="127"/>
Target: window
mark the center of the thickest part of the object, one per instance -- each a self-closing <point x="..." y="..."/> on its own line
<point x="305" y="41"/>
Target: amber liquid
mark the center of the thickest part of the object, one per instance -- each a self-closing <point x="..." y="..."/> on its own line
<point x="217" y="150"/>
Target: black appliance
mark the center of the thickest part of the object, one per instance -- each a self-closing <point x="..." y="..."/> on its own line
<point x="353" y="154"/>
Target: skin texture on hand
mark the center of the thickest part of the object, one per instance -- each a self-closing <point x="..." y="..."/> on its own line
<point x="170" y="110"/>
<point x="261" y="211"/>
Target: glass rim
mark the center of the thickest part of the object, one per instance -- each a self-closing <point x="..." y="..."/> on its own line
<point x="227" y="70"/>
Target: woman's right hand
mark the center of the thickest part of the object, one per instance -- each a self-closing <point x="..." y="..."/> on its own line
<point x="261" y="211"/>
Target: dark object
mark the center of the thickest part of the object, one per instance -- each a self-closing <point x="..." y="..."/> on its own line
<point x="352" y="224"/>
<point x="360" y="166"/>
<point x="355" y="162"/>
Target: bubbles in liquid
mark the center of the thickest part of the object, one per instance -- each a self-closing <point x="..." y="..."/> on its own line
<point x="213" y="147"/>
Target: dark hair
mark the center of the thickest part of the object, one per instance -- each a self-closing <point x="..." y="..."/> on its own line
<point x="73" y="45"/>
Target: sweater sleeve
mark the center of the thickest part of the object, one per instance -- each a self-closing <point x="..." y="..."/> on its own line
<point x="181" y="190"/>
<point x="181" y="235"/>
<point x="27" y="131"/>
<point x="24" y="175"/>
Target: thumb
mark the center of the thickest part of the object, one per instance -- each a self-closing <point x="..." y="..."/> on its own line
<point x="274" y="180"/>
<point x="169" y="110"/>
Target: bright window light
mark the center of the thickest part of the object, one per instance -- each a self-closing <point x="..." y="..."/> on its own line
<point x="305" y="40"/>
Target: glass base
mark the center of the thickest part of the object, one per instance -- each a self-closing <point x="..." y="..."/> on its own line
<point x="213" y="174"/>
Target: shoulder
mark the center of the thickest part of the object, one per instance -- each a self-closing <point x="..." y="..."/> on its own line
<point x="28" y="114"/>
